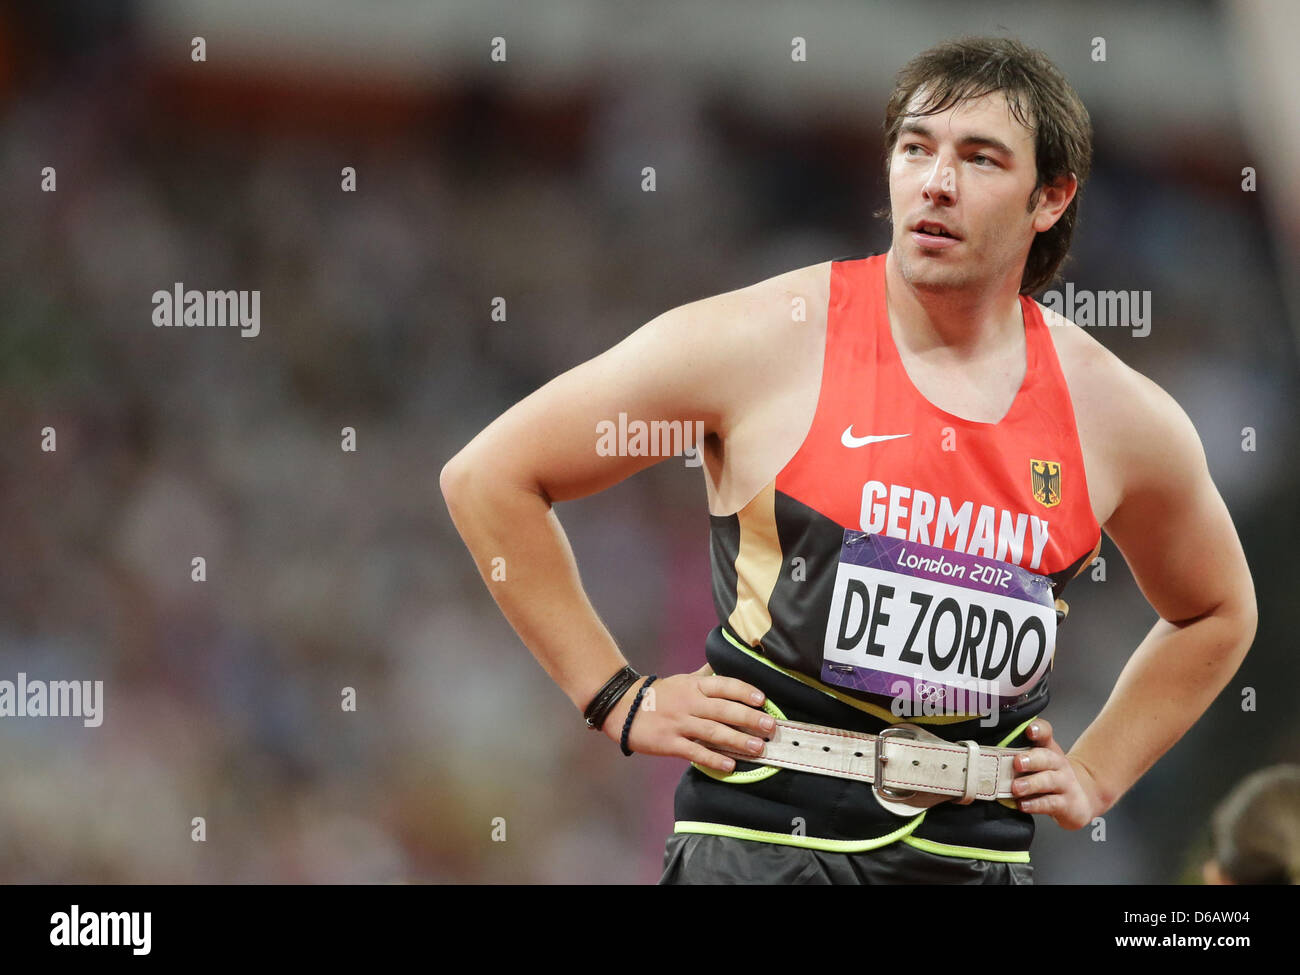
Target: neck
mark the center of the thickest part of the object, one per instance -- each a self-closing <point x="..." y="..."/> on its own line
<point x="969" y="322"/>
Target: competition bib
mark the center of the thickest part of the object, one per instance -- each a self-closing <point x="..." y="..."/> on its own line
<point x="929" y="625"/>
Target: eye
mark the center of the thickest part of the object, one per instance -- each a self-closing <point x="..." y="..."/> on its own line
<point x="907" y="149"/>
<point x="980" y="155"/>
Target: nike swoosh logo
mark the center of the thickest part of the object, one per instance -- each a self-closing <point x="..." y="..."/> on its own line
<point x="851" y="441"/>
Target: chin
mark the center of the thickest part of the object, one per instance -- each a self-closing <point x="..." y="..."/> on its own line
<point x="926" y="274"/>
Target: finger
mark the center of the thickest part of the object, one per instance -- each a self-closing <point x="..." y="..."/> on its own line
<point x="738" y="715"/>
<point x="713" y="733"/>
<point x="705" y="671"/>
<point x="1040" y="783"/>
<point x="697" y="753"/>
<point x="1037" y="759"/>
<point x="1040" y="732"/>
<point x="731" y="688"/>
<point x="1046" y="805"/>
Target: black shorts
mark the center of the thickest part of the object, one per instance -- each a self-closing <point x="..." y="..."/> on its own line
<point x="701" y="858"/>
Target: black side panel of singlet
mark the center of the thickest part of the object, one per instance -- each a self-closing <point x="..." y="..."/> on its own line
<point x="724" y="544"/>
<point x="803" y="592"/>
<point x="1062" y="578"/>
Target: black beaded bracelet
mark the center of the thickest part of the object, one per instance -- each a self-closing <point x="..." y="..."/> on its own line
<point x="636" y="703"/>
<point x="609" y="695"/>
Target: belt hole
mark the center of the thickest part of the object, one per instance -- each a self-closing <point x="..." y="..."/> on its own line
<point x="915" y="762"/>
<point x="857" y="754"/>
<point x="826" y="748"/>
<point x="796" y="744"/>
<point x="944" y="766"/>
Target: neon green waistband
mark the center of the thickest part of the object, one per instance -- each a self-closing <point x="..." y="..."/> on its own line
<point x="902" y="834"/>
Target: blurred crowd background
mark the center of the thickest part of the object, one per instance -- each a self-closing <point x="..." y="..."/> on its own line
<point x="519" y="179"/>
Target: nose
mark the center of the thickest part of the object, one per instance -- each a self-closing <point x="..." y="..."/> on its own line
<point x="940" y="187"/>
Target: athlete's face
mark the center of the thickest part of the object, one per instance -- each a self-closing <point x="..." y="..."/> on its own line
<point x="971" y="169"/>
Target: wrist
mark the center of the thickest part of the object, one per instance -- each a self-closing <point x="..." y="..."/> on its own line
<point x="614" y="721"/>
<point x="637" y="701"/>
<point x="596" y="713"/>
<point x="1098" y="802"/>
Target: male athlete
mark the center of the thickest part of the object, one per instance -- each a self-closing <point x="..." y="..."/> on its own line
<point x="906" y="459"/>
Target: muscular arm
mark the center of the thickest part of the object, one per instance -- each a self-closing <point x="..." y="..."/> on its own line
<point x="1175" y="532"/>
<point x="500" y="488"/>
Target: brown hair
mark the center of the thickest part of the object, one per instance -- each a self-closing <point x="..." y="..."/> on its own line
<point x="1039" y="98"/>
<point x="1256" y="829"/>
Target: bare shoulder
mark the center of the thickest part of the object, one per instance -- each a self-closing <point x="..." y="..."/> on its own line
<point x="761" y="337"/>
<point x="1135" y="431"/>
<point x="764" y="305"/>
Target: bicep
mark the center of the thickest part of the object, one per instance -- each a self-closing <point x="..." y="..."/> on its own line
<point x="1172" y="526"/>
<point x="566" y="440"/>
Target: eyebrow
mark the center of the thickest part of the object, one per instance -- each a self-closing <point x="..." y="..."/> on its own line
<point x="970" y="140"/>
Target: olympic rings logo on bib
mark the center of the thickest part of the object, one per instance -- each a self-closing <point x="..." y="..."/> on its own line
<point x="935" y="625"/>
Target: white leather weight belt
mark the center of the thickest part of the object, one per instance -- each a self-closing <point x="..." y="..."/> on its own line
<point x="909" y="768"/>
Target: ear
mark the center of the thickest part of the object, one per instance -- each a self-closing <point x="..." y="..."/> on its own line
<point x="1053" y="200"/>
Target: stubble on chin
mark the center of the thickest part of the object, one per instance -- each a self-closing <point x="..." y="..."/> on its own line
<point x="922" y="274"/>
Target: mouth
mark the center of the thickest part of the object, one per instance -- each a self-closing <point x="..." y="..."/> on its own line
<point x="933" y="234"/>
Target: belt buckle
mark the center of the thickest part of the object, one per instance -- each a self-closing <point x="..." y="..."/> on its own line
<point x="882" y="792"/>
